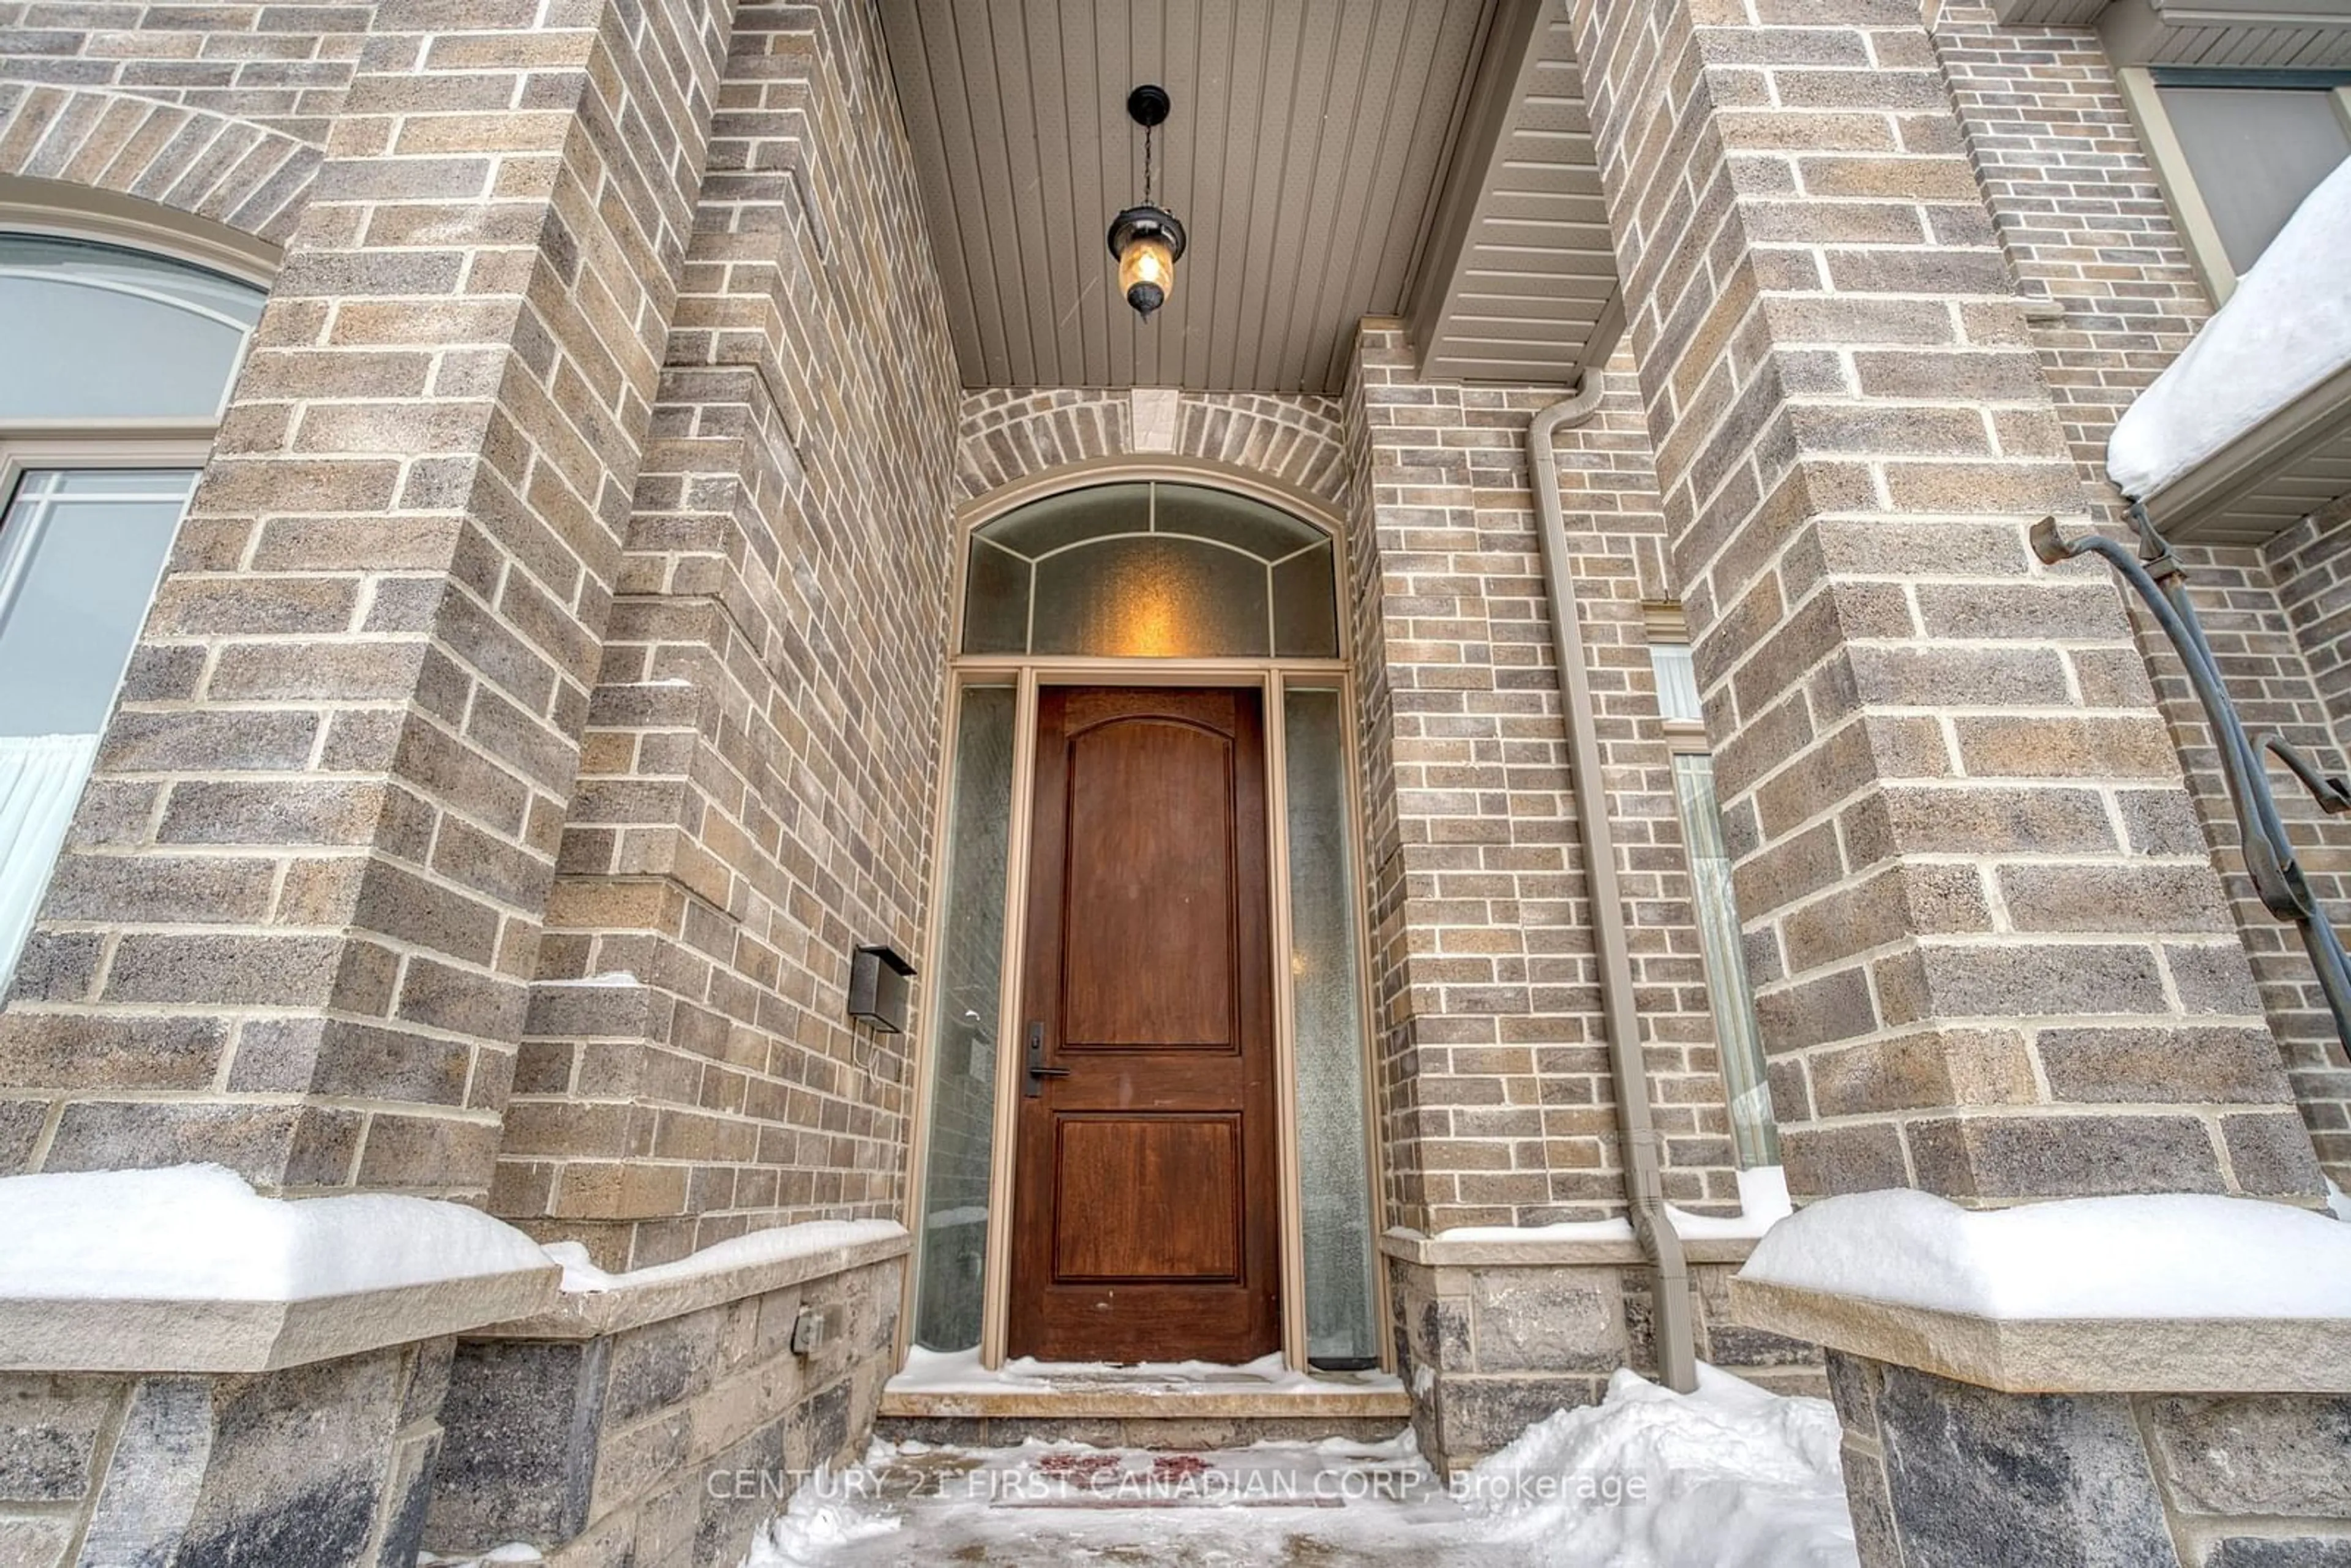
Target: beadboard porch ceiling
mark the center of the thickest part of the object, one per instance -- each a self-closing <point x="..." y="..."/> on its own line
<point x="1331" y="160"/>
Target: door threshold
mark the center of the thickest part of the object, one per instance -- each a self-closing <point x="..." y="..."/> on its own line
<point x="935" y="1385"/>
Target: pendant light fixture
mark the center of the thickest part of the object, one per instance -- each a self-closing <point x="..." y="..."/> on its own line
<point x="1146" y="239"/>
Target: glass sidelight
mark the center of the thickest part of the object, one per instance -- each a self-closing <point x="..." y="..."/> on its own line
<point x="1326" y="987"/>
<point x="954" y="1235"/>
<point x="1093" y="596"/>
<point x="1736" y="1030"/>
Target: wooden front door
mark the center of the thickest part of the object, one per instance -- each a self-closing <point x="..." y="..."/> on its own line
<point x="1145" y="1207"/>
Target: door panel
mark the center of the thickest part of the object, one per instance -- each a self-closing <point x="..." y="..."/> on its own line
<point x="1160" y="1198"/>
<point x="1148" y="905"/>
<point x="1145" y="1209"/>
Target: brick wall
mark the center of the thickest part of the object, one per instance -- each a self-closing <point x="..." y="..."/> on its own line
<point x="1853" y="434"/>
<point x="277" y="67"/>
<point x="304" y="889"/>
<point x="2084" y="225"/>
<point x="219" y="112"/>
<point x="1494" y="1088"/>
<point x="2308" y="564"/>
<point x="762" y="744"/>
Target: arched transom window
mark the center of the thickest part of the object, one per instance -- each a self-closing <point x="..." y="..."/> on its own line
<point x="1151" y="570"/>
<point x="97" y="332"/>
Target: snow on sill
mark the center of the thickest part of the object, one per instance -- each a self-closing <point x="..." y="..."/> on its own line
<point x="2174" y="1256"/>
<point x="581" y="1277"/>
<point x="1762" y="1203"/>
<point x="2284" y="332"/>
<point x="959" y="1372"/>
<point x="608" y="978"/>
<point x="198" y="1232"/>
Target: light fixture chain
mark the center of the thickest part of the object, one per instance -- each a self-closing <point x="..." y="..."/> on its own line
<point x="1148" y="133"/>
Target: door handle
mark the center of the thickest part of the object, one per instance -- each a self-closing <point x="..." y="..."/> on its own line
<point x="1034" y="1084"/>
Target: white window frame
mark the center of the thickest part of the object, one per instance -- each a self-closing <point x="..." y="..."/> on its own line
<point x="2143" y="98"/>
<point x="40" y="446"/>
<point x="29" y="451"/>
<point x="33" y="207"/>
<point x="101" y="217"/>
<point x="101" y="447"/>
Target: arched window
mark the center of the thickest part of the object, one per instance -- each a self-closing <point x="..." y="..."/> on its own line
<point x="118" y="364"/>
<point x="1151" y="570"/>
<point x="98" y="332"/>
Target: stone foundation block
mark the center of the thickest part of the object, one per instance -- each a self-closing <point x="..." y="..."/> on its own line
<point x="1943" y="1471"/>
<point x="1487" y="1347"/>
<point x="2297" y="1552"/>
<point x="2286" y="1455"/>
<point x="521" y="1416"/>
<point x="607" y="1441"/>
<point x="2063" y="1475"/>
<point x="326" y="1464"/>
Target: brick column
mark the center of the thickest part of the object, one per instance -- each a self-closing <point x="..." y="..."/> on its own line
<point x="293" y="931"/>
<point x="1497" y="1099"/>
<point x="1494" y="1073"/>
<point x="2084" y="222"/>
<point x="1992" y="957"/>
<point x="761" y="757"/>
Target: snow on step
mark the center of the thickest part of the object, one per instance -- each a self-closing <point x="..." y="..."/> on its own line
<point x="959" y="1372"/>
<point x="1730" y="1476"/>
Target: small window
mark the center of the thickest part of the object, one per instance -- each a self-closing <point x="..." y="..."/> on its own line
<point x="1677" y="683"/>
<point x="2255" y="153"/>
<point x="1737" y="1038"/>
<point x="2237" y="151"/>
<point x="1151" y="570"/>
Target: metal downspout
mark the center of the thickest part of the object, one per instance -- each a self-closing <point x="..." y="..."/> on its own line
<point x="1677" y="1341"/>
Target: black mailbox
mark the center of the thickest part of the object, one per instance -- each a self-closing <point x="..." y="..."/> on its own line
<point x="878" y="987"/>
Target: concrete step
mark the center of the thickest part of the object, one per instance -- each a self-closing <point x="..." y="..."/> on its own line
<point x="1113" y="1410"/>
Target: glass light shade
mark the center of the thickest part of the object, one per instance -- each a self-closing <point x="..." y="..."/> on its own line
<point x="1146" y="273"/>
